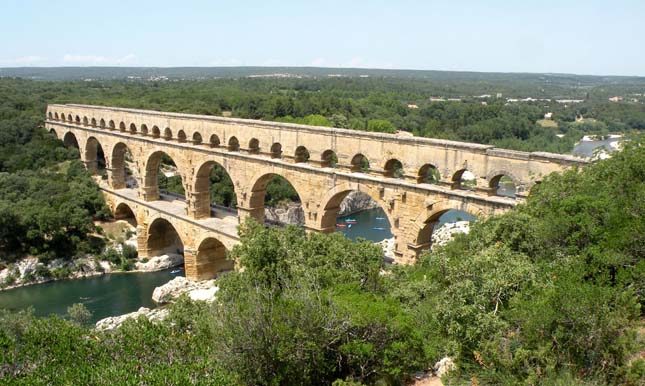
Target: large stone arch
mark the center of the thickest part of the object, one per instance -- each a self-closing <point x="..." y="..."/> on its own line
<point x="423" y="225"/>
<point x="70" y="140"/>
<point x="208" y="260"/>
<point x="330" y="205"/>
<point x="151" y="172"/>
<point x="92" y="155"/>
<point x="124" y="211"/>
<point x="163" y="236"/>
<point x="117" y="165"/>
<point x="200" y="204"/>
<point x="255" y="193"/>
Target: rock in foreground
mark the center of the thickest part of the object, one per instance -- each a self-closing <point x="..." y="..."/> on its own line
<point x="159" y="263"/>
<point x="204" y="290"/>
<point x="112" y="322"/>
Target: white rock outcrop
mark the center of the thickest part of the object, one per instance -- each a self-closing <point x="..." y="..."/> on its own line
<point x="112" y="322"/>
<point x="444" y="366"/>
<point x="447" y="231"/>
<point x="204" y="290"/>
<point x="291" y="214"/>
<point x="388" y="248"/>
<point x="157" y="263"/>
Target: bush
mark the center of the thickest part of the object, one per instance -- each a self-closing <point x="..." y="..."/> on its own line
<point x="78" y="313"/>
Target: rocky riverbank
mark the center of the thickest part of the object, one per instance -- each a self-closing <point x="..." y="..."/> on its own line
<point x="163" y="295"/>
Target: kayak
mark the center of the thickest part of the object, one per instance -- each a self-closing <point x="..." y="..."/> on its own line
<point x="341" y="225"/>
<point x="175" y="271"/>
<point x="378" y="228"/>
<point x="352" y="220"/>
<point x="380" y="218"/>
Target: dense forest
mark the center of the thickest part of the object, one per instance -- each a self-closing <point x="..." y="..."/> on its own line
<point x="550" y="293"/>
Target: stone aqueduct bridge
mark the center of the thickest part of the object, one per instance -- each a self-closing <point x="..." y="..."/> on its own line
<point x="322" y="164"/>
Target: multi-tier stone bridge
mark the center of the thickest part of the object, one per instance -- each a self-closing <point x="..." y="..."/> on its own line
<point x="415" y="180"/>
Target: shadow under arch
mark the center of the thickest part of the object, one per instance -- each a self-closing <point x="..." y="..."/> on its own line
<point x="211" y="259"/>
<point x="124" y="212"/>
<point x="94" y="156"/>
<point x="70" y="141"/>
<point x="163" y="238"/>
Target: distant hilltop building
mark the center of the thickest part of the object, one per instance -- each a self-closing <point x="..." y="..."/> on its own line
<point x="548" y="116"/>
<point x="616" y="99"/>
<point x="412" y="106"/>
<point x="570" y="100"/>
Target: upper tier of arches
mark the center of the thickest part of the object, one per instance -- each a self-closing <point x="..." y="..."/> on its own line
<point x="445" y="167"/>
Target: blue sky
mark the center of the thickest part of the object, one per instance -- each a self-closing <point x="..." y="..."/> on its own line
<point x="583" y="37"/>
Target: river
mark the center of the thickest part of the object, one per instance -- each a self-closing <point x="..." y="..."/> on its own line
<point x="586" y="148"/>
<point x="120" y="293"/>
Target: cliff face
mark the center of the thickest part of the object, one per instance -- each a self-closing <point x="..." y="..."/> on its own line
<point x="355" y="202"/>
<point x="292" y="214"/>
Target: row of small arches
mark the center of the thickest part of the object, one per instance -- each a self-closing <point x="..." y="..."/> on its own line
<point x="393" y="168"/>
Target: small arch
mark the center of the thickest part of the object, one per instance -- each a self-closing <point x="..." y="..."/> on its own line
<point x="62" y="117"/>
<point x="56" y="117"/>
<point x="214" y="141"/>
<point x="503" y="185"/>
<point x="156" y="133"/>
<point x="197" y="138"/>
<point x="111" y="125"/>
<point x="393" y="168"/>
<point x="360" y="163"/>
<point x="122" y="126"/>
<point x="181" y="136"/>
<point x="163" y="238"/>
<point x="144" y="129"/>
<point x="464" y="179"/>
<point x="276" y="150"/>
<point x="302" y="154"/>
<point x="50" y="115"/>
<point x="211" y="259"/>
<point x="428" y="174"/>
<point x="124" y="212"/>
<point x="85" y="121"/>
<point x="93" y="122"/>
<point x="69" y="118"/>
<point x="167" y="134"/>
<point x="329" y="159"/>
<point x="52" y="131"/>
<point x="254" y="146"/>
<point x="102" y="123"/>
<point x="133" y="128"/>
<point x="233" y="144"/>
<point x="78" y="120"/>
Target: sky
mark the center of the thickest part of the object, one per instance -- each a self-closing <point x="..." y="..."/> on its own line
<point x="574" y="36"/>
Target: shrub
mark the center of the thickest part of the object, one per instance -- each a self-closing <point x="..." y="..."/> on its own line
<point x="78" y="313"/>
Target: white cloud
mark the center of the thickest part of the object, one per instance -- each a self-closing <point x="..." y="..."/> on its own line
<point x="22" y="60"/>
<point x="97" y="59"/>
